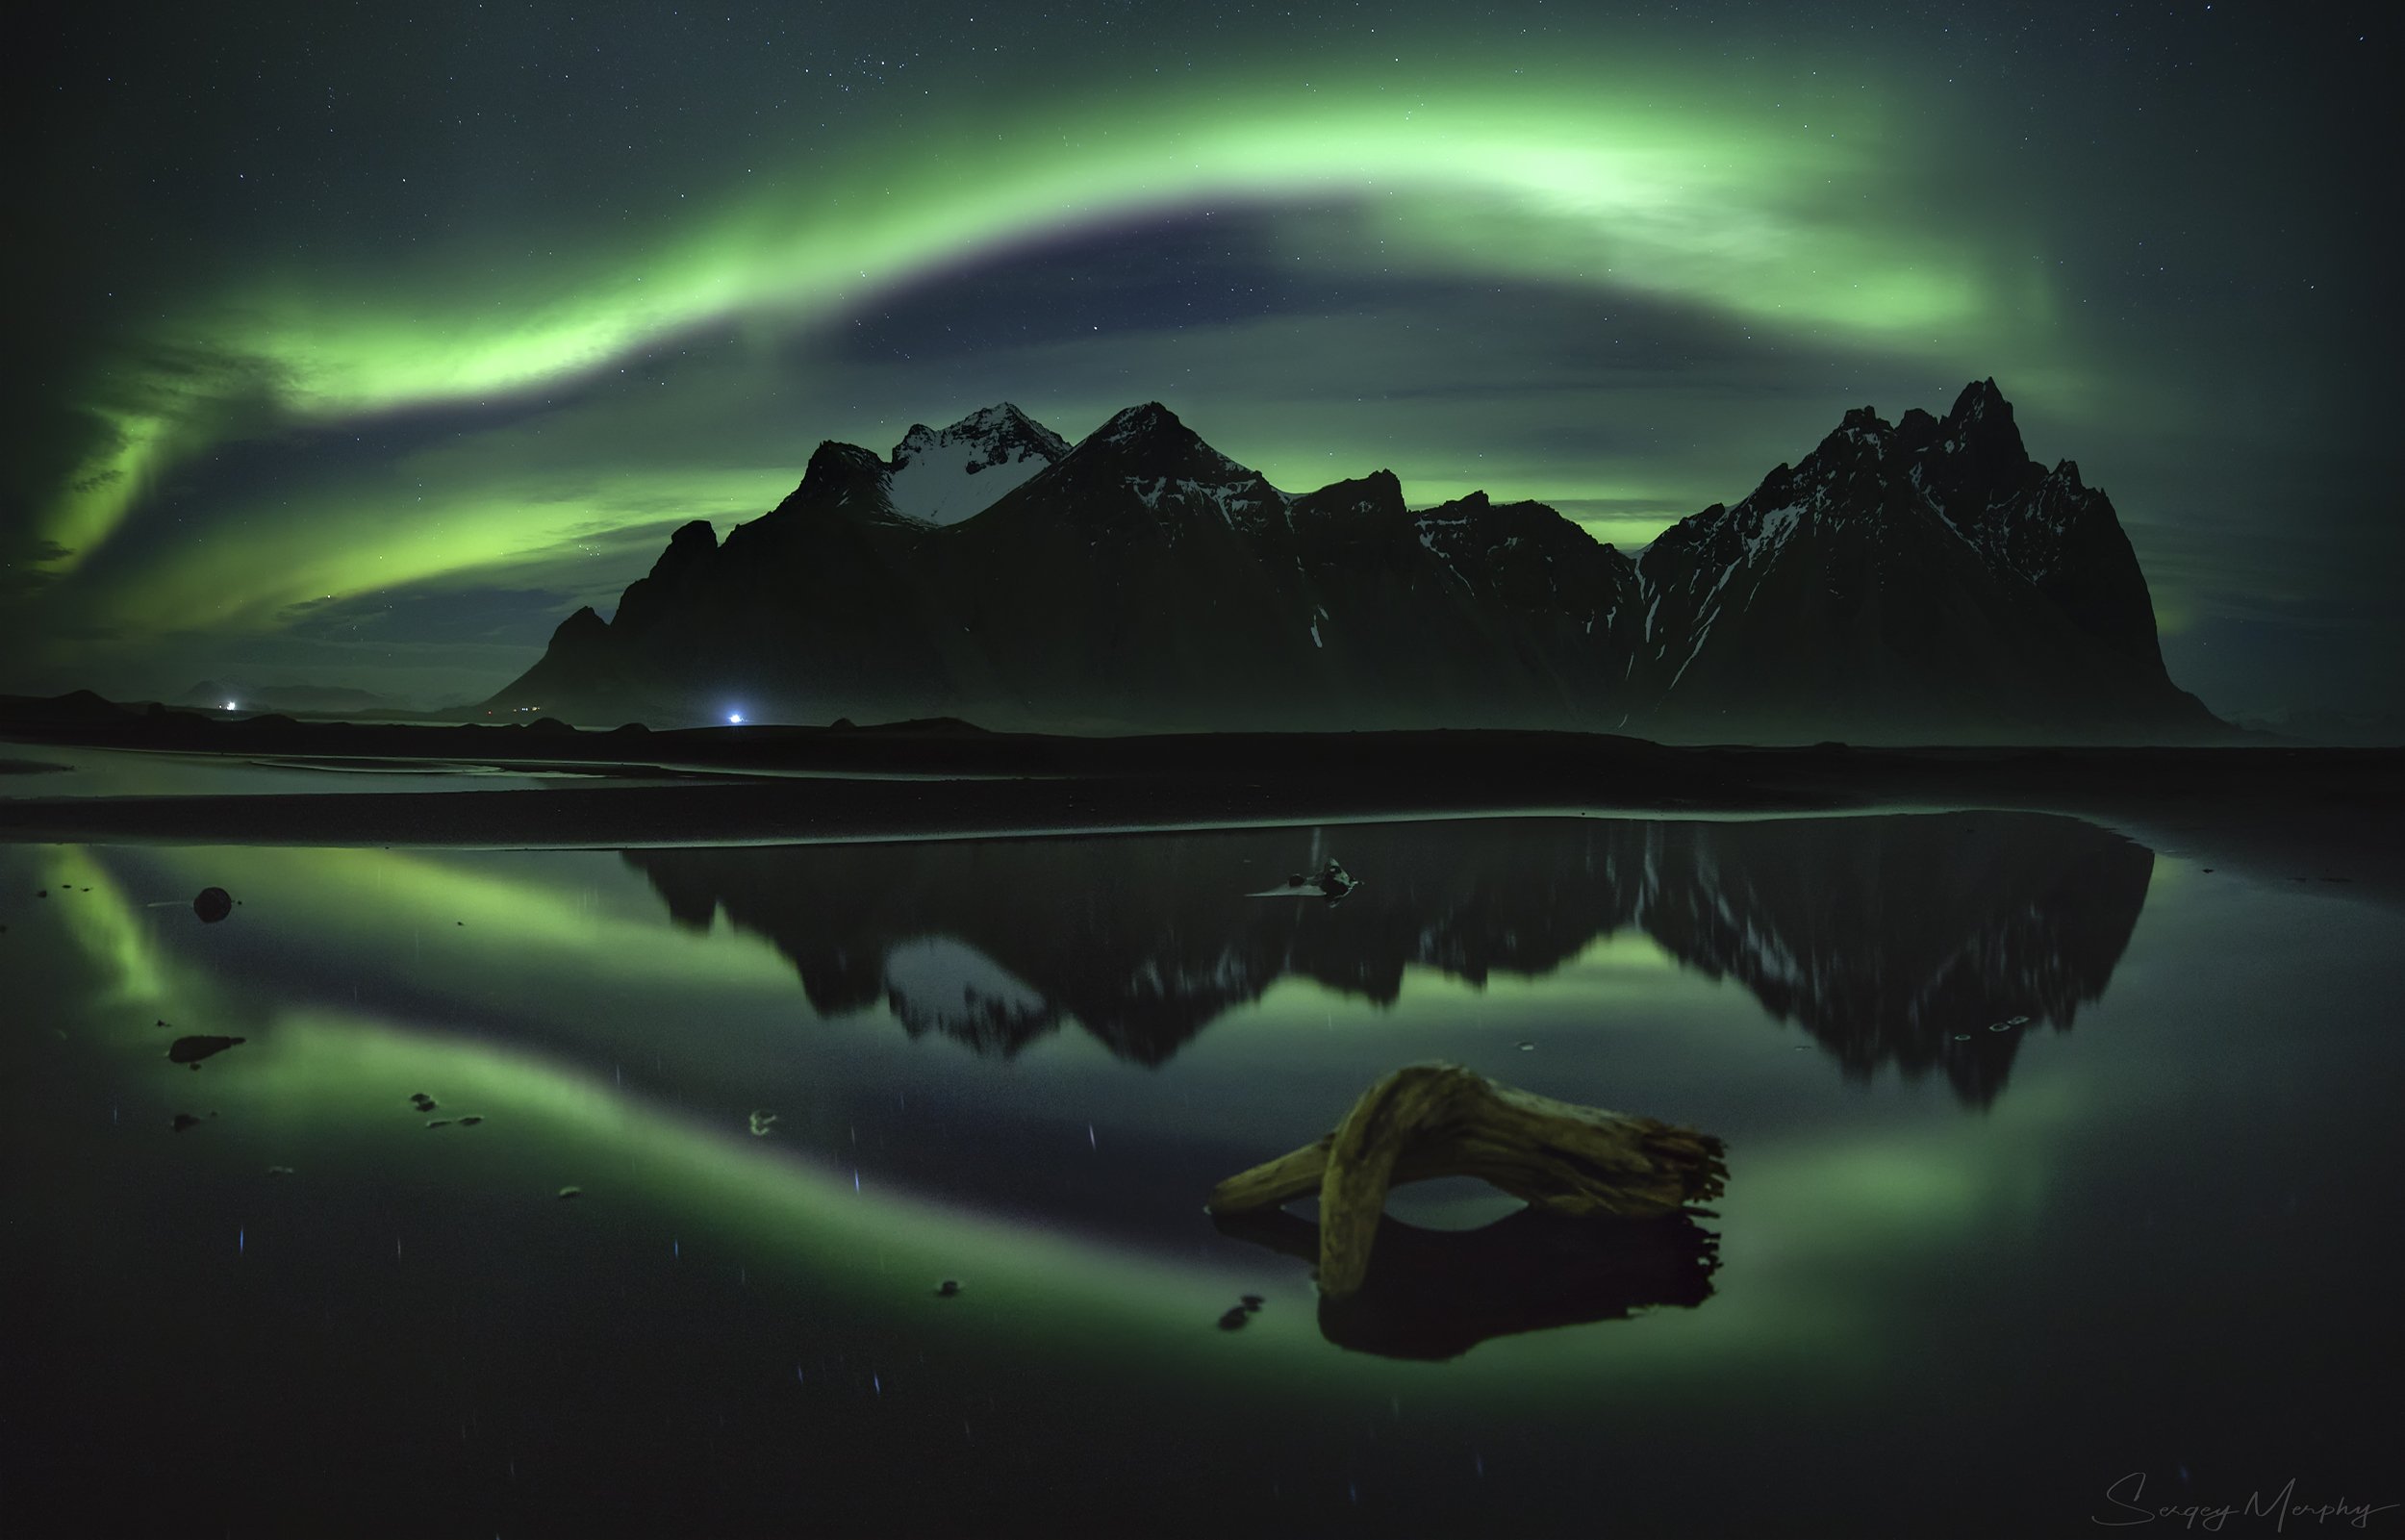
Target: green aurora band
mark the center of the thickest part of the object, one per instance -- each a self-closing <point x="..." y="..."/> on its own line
<point x="1720" y="202"/>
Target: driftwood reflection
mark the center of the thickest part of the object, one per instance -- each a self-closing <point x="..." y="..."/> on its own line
<point x="1437" y="1294"/>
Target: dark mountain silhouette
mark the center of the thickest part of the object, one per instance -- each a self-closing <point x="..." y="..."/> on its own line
<point x="1885" y="938"/>
<point x="1928" y="573"/>
<point x="1920" y="581"/>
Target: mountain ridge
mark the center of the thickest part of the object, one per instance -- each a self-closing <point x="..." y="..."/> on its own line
<point x="1924" y="579"/>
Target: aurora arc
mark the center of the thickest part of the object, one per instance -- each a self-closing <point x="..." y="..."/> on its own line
<point x="1560" y="182"/>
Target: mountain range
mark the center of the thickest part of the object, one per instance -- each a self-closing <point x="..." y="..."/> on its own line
<point x="1923" y="580"/>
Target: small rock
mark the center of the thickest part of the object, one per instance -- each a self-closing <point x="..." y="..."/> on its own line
<point x="279" y="1170"/>
<point x="423" y="1102"/>
<point x="438" y="1122"/>
<point x="212" y="905"/>
<point x="948" y="1288"/>
<point x="184" y="1121"/>
<point x="571" y="1192"/>
<point x="1527" y="1047"/>
<point x="471" y="1120"/>
<point x="762" y="1122"/>
<point x="1252" y="1302"/>
<point x="193" y="1049"/>
<point x="1234" y="1319"/>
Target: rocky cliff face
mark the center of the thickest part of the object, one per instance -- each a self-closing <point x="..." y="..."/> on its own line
<point x="1920" y="580"/>
<point x="1923" y="579"/>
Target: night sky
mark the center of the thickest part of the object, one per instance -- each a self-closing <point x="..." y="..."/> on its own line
<point x="357" y="344"/>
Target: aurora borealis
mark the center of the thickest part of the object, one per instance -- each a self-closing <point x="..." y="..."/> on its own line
<point x="359" y="347"/>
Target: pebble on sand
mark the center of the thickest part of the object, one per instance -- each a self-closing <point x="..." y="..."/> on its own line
<point x="193" y="1049"/>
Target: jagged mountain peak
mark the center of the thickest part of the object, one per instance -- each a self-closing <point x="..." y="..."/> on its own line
<point x="834" y="462"/>
<point x="586" y="621"/>
<point x="695" y="537"/>
<point x="1151" y="437"/>
<point x="1379" y="492"/>
<point x="1002" y="425"/>
<point x="1137" y="422"/>
<point x="1979" y="400"/>
<point x="1146" y="454"/>
<point x="1981" y="428"/>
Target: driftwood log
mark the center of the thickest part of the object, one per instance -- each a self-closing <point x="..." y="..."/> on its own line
<point x="1441" y="1120"/>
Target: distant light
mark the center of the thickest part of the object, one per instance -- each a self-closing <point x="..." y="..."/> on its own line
<point x="229" y="705"/>
<point x="735" y="717"/>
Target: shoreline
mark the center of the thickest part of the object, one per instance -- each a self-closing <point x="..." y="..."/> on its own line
<point x="2305" y="816"/>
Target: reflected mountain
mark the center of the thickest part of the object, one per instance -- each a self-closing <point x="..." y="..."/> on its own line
<point x="1898" y="939"/>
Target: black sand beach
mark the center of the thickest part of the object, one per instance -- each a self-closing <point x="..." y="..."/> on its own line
<point x="2291" y="814"/>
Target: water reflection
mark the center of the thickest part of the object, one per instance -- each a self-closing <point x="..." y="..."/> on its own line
<point x="1906" y="939"/>
<point x="740" y="1334"/>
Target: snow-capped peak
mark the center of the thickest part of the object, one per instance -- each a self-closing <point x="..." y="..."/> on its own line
<point x="943" y="477"/>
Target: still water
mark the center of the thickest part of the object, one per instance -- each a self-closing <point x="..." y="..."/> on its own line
<point x="2054" y="1164"/>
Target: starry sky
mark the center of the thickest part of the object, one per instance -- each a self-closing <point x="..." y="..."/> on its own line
<point x="357" y="344"/>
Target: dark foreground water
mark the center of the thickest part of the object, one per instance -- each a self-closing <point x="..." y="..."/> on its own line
<point x="2063" y="1187"/>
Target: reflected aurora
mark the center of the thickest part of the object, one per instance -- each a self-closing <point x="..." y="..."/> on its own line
<point x="319" y="1084"/>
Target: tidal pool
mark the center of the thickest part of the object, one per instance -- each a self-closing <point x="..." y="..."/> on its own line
<point x="2055" y="1166"/>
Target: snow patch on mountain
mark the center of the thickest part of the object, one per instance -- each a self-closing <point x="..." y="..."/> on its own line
<point x="1228" y="498"/>
<point x="937" y="983"/>
<point x="944" y="477"/>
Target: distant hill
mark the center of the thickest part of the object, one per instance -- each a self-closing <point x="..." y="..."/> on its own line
<point x="2381" y="729"/>
<point x="1924" y="580"/>
<point x="216" y="695"/>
